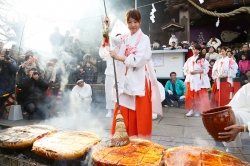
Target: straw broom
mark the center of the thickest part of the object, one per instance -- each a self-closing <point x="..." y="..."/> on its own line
<point x="120" y="138"/>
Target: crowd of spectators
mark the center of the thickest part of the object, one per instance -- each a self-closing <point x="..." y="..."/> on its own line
<point x="40" y="79"/>
<point x="29" y="72"/>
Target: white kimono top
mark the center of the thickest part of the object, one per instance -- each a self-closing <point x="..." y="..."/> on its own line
<point x="225" y="67"/>
<point x="82" y="93"/>
<point x="138" y="66"/>
<point x="197" y="81"/>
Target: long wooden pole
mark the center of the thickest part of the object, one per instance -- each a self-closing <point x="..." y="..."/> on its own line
<point x="116" y="86"/>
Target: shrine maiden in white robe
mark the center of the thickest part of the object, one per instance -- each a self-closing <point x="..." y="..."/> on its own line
<point x="138" y="67"/>
<point x="82" y="97"/>
<point x="197" y="81"/>
<point x="109" y="79"/>
<point x="241" y="107"/>
<point x="225" y="67"/>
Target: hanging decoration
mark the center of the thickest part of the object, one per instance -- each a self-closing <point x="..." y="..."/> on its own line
<point x="218" y="22"/>
<point x="201" y="1"/>
<point x="152" y="16"/>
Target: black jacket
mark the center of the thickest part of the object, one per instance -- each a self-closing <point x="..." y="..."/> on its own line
<point x="243" y="78"/>
<point x="32" y="91"/>
<point x="89" y="73"/>
<point x="7" y="76"/>
<point x="238" y="57"/>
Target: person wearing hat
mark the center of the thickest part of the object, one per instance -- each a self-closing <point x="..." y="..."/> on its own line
<point x="172" y="47"/>
<point x="82" y="93"/>
<point x="174" y="39"/>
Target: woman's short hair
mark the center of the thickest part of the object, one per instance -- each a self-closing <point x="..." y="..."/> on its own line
<point x="133" y="13"/>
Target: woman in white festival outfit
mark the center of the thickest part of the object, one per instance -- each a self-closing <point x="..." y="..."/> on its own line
<point x="197" y="82"/>
<point x="137" y="84"/>
<point x="224" y="67"/>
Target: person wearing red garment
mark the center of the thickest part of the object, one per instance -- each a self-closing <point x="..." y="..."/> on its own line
<point x="138" y="89"/>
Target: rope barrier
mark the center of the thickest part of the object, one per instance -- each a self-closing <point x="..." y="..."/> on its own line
<point x="229" y="14"/>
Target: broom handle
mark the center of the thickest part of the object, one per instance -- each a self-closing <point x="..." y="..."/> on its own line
<point x="116" y="86"/>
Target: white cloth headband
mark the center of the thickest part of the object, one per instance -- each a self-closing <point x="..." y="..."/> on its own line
<point x="81" y="80"/>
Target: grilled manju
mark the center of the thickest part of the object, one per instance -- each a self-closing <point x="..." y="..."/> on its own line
<point x="69" y="145"/>
<point x="23" y="136"/>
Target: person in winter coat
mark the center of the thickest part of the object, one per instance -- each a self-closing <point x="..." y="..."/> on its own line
<point x="32" y="96"/>
<point x="7" y="73"/>
<point x="81" y="73"/>
<point x="89" y="73"/>
<point x="244" y="64"/>
<point x="245" y="78"/>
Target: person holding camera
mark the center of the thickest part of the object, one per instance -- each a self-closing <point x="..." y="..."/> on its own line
<point x="32" y="96"/>
<point x="7" y="73"/>
<point x="157" y="45"/>
<point x="29" y="63"/>
<point x="215" y="42"/>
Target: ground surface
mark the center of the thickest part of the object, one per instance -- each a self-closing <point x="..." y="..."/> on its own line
<point x="170" y="130"/>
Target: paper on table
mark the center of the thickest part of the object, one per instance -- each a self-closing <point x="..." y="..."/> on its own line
<point x="158" y="60"/>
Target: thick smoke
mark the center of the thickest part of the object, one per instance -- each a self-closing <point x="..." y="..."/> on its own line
<point x="69" y="114"/>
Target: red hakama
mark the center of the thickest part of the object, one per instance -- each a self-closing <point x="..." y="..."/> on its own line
<point x="196" y="100"/>
<point x="215" y="94"/>
<point x="138" y="122"/>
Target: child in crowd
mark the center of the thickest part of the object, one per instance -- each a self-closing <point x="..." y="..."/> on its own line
<point x="244" y="64"/>
<point x="81" y="73"/>
<point x="212" y="61"/>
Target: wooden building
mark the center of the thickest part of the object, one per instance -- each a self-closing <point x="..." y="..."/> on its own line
<point x="198" y="25"/>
